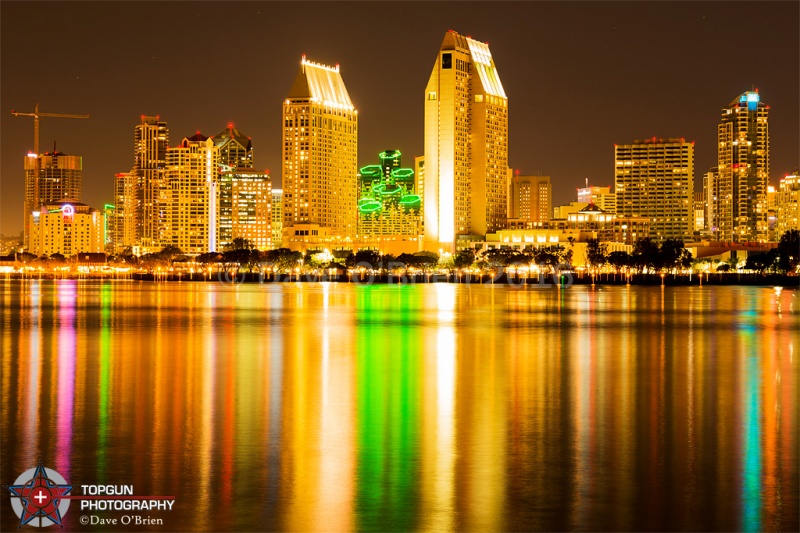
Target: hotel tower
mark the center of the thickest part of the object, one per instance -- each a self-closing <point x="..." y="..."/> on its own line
<point x="320" y="152"/>
<point x="466" y="145"/>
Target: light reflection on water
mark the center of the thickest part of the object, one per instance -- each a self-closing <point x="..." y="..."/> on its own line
<point x="333" y="407"/>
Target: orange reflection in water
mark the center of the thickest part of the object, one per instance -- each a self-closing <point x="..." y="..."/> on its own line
<point x="311" y="407"/>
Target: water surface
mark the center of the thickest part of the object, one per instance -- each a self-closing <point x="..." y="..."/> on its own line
<point x="334" y="407"/>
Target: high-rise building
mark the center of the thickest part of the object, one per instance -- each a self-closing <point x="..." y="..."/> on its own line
<point x="466" y="145"/>
<point x="191" y="179"/>
<point x="235" y="148"/>
<point x="602" y="197"/>
<point x="151" y="139"/>
<point x="320" y="152"/>
<point x="123" y="227"/>
<point x="245" y="200"/>
<point x="743" y="166"/>
<point x="787" y="200"/>
<point x="387" y="201"/>
<point x="711" y="196"/>
<point x="530" y="199"/>
<point x="419" y="173"/>
<point x="66" y="228"/>
<point x="58" y="180"/>
<point x="277" y="218"/>
<point x="654" y="178"/>
<point x="699" y="211"/>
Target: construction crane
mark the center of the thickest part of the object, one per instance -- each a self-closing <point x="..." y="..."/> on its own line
<point x="36" y="114"/>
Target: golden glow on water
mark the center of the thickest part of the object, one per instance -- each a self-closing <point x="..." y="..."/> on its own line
<point x="333" y="407"/>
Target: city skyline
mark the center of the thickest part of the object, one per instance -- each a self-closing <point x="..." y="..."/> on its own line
<point x="550" y="88"/>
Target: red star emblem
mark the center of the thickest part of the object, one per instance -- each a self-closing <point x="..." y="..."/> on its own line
<point x="40" y="497"/>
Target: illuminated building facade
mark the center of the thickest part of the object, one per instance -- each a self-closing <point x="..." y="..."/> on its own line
<point x="561" y="212"/>
<point x="787" y="199"/>
<point x="320" y="152"/>
<point x="235" y="148"/>
<point x="151" y="139"/>
<point x="123" y="225"/>
<point x="277" y="218"/>
<point x="711" y="195"/>
<point x="59" y="179"/>
<point x="466" y="145"/>
<point x="602" y="197"/>
<point x="419" y="174"/>
<point x="699" y="211"/>
<point x="654" y="179"/>
<point x="191" y="204"/>
<point x="530" y="199"/>
<point x="743" y="166"/>
<point x="387" y="203"/>
<point x="66" y="228"/>
<point x="245" y="200"/>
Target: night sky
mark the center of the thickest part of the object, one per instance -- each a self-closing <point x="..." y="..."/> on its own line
<point x="579" y="76"/>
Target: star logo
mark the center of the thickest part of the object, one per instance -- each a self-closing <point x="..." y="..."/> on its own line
<point x="37" y="497"/>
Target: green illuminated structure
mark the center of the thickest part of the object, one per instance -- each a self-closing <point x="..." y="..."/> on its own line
<point x="387" y="202"/>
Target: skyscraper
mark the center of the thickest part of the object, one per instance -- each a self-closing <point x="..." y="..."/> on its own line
<point x="245" y="200"/>
<point x="655" y="179"/>
<point x="235" y="148"/>
<point x="530" y="199"/>
<point x="388" y="203"/>
<point x="711" y="196"/>
<point x="787" y="203"/>
<point x="151" y="139"/>
<point x="466" y="145"/>
<point x="59" y="180"/>
<point x="191" y="201"/>
<point x="123" y="227"/>
<point x="277" y="218"/>
<point x="320" y="151"/>
<point x="743" y="166"/>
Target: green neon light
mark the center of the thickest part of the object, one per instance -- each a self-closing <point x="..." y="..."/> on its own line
<point x="370" y="207"/>
<point x="389" y="154"/>
<point x="387" y="189"/>
<point x="410" y="199"/>
<point x="109" y="206"/>
<point x="404" y="174"/>
<point x="371" y="172"/>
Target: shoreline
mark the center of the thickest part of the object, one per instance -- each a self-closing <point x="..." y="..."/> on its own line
<point x="672" y="280"/>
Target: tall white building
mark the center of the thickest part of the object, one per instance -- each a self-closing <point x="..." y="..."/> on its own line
<point x="466" y="145"/>
<point x="320" y="152"/>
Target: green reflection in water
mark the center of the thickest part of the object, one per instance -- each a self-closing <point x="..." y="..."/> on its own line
<point x="105" y="373"/>
<point x="751" y="450"/>
<point x="388" y="410"/>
